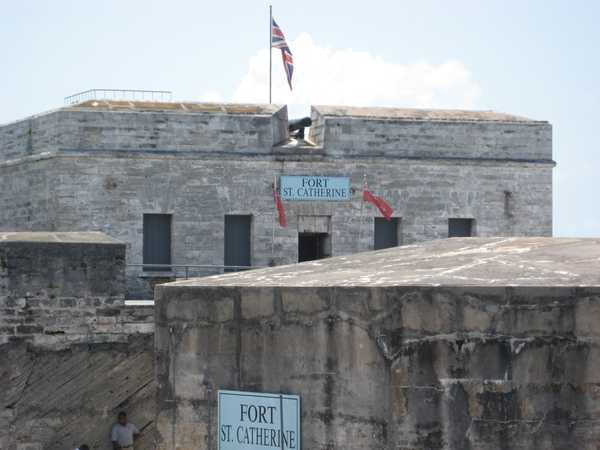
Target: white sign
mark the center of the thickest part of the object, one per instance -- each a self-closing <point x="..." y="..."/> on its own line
<point x="312" y="188"/>
<point x="258" y="421"/>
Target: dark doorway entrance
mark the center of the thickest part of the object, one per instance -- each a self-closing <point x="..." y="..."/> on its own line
<point x="460" y="227"/>
<point x="386" y="233"/>
<point x="313" y="246"/>
<point x="157" y="242"/>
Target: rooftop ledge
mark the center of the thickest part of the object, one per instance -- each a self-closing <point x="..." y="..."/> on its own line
<point x="183" y="107"/>
<point x="74" y="237"/>
<point x="388" y="113"/>
<point x="410" y="114"/>
<point x="324" y="111"/>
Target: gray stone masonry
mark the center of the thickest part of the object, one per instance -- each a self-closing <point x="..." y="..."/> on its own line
<point x="57" y="289"/>
<point x="414" y="133"/>
<point x="457" y="344"/>
<point x="172" y="127"/>
<point x="102" y="165"/>
<point x="71" y="353"/>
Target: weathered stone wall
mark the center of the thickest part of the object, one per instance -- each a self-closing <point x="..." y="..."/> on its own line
<point x="61" y="292"/>
<point x="500" y="137"/>
<point x="106" y="168"/>
<point x="28" y="201"/>
<point x="71" y="353"/>
<point x="57" y="400"/>
<point x="393" y="367"/>
<point x="37" y="134"/>
<point x="90" y="128"/>
<point x="94" y="192"/>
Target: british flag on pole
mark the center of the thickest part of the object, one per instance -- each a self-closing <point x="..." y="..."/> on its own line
<point x="278" y="41"/>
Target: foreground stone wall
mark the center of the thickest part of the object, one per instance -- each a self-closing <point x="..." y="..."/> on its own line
<point x="65" y="289"/>
<point x="472" y="367"/>
<point x="71" y="353"/>
<point x="57" y="400"/>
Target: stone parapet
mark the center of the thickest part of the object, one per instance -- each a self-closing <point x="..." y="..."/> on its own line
<point x="449" y="345"/>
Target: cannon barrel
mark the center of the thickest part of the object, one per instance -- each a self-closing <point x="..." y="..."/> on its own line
<point x="297" y="126"/>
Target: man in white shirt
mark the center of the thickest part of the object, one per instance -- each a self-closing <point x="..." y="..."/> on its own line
<point x="123" y="433"/>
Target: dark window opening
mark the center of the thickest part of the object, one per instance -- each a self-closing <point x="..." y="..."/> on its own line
<point x="313" y="246"/>
<point x="237" y="241"/>
<point x="386" y="233"/>
<point x="157" y="241"/>
<point x="508" y="204"/>
<point x="460" y="227"/>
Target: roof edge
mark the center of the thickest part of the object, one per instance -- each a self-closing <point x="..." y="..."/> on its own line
<point x="422" y="114"/>
<point x="270" y="110"/>
<point x="58" y="237"/>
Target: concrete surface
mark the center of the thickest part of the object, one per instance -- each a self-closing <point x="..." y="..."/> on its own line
<point x="503" y="261"/>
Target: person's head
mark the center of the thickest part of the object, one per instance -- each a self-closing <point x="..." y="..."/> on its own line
<point x="84" y="447"/>
<point x="122" y="418"/>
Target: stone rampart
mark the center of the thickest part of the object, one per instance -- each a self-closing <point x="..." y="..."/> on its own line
<point x="71" y="352"/>
<point x="461" y="344"/>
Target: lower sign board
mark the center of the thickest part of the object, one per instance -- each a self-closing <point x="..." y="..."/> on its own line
<point x="253" y="421"/>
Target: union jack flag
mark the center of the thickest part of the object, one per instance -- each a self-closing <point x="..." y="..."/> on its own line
<point x="278" y="41"/>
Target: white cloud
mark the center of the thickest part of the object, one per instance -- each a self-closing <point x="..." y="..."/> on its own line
<point x="347" y="77"/>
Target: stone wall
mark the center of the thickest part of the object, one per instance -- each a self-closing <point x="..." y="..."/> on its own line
<point x="71" y="352"/>
<point x="416" y="348"/>
<point x="28" y="200"/>
<point x="71" y="289"/>
<point x="57" y="400"/>
<point x="107" y="166"/>
<point x="34" y="135"/>
<point x="100" y="192"/>
<point x="173" y="128"/>
<point x="444" y="134"/>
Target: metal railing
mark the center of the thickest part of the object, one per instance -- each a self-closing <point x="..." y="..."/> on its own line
<point x="119" y="94"/>
<point x="173" y="268"/>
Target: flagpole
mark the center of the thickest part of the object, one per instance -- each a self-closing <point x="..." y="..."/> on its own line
<point x="270" y="48"/>
<point x="274" y="220"/>
<point x="362" y="207"/>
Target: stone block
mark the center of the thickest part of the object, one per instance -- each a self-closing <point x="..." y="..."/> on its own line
<point x="257" y="303"/>
<point x="305" y="301"/>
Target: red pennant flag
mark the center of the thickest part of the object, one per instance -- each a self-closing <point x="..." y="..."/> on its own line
<point x="280" y="209"/>
<point x="381" y="204"/>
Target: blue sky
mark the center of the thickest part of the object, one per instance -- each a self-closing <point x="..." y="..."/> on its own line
<point x="532" y="58"/>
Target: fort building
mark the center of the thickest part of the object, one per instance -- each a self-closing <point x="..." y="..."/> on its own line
<point x="189" y="186"/>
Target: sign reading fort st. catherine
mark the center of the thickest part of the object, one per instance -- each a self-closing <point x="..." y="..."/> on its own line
<point x="258" y="421"/>
<point x="314" y="188"/>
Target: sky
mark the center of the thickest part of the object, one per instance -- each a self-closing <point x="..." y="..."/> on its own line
<point x="532" y="58"/>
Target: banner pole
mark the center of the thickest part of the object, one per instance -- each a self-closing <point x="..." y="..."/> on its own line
<point x="281" y="419"/>
<point x="274" y="220"/>
<point x="270" y="48"/>
<point x="362" y="207"/>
